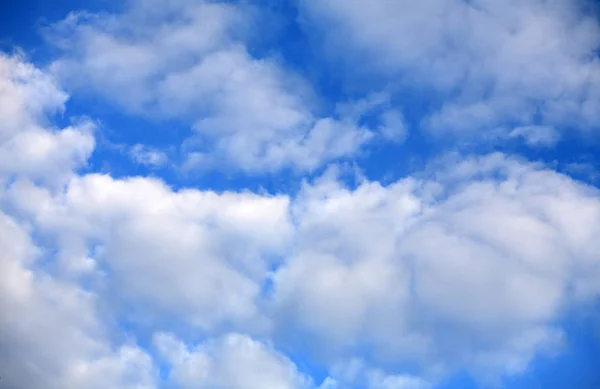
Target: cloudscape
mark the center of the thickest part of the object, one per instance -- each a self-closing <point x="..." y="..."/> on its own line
<point x="303" y="194"/>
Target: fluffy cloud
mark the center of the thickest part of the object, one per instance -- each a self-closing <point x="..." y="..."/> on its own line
<point x="199" y="256"/>
<point x="35" y="303"/>
<point x="136" y="243"/>
<point x="52" y="336"/>
<point x="470" y="268"/>
<point x="187" y="61"/>
<point x="234" y="361"/>
<point x="29" y="144"/>
<point x="468" y="265"/>
<point x="484" y="65"/>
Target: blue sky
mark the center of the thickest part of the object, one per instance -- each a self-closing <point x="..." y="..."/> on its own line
<point x="306" y="194"/>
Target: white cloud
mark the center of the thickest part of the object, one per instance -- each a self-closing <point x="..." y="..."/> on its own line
<point x="234" y="361"/>
<point x="378" y="380"/>
<point x="393" y="126"/>
<point x="356" y="373"/>
<point x="470" y="269"/>
<point x="51" y="334"/>
<point x="199" y="256"/>
<point x="128" y="368"/>
<point x="186" y="61"/>
<point x="468" y="265"/>
<point x="104" y="246"/>
<point x="147" y="156"/>
<point x="537" y="136"/>
<point x="28" y="94"/>
<point x="488" y="63"/>
<point x="29" y="145"/>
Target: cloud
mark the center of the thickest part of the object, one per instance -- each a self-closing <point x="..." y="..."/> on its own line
<point x="188" y="61"/>
<point x="469" y="265"/>
<point x="356" y="373"/>
<point x="29" y="144"/>
<point x="99" y="241"/>
<point x="484" y="66"/>
<point x="52" y="336"/>
<point x="35" y="302"/>
<point x="469" y="269"/>
<point x="393" y="126"/>
<point x="144" y="155"/>
<point x="377" y="380"/>
<point x="537" y="136"/>
<point x="234" y="361"/>
<point x="199" y="256"/>
<point x="583" y="170"/>
<point x="103" y="246"/>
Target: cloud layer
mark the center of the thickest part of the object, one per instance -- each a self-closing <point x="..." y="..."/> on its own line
<point x="469" y="264"/>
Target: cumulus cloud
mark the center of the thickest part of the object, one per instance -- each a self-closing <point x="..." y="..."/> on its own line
<point x="29" y="144"/>
<point x="468" y="265"/>
<point x="51" y="334"/>
<point x="197" y="255"/>
<point x="188" y="61"/>
<point x="234" y="361"/>
<point x="470" y="268"/>
<point x="485" y="65"/>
